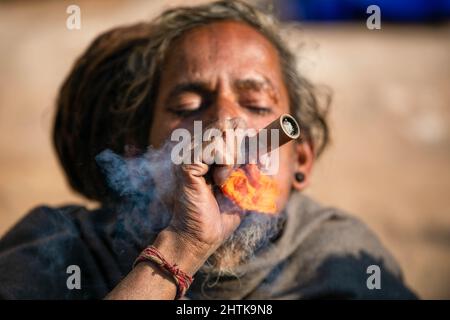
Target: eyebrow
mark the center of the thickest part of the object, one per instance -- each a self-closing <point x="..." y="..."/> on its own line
<point x="260" y="85"/>
<point x="254" y="84"/>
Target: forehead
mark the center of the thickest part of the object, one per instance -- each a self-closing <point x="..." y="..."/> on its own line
<point x="227" y="47"/>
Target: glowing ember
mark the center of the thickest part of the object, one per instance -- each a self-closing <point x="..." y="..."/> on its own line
<point x="251" y="190"/>
<point x="289" y="127"/>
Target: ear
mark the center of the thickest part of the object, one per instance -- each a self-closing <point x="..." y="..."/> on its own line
<point x="305" y="159"/>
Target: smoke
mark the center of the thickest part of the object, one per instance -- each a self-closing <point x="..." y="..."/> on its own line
<point x="144" y="185"/>
<point x="140" y="184"/>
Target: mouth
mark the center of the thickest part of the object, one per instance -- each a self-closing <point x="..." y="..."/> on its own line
<point x="250" y="189"/>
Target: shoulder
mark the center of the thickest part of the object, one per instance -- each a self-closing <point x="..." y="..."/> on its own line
<point x="36" y="253"/>
<point x="40" y="223"/>
<point x="341" y="234"/>
<point x="339" y="255"/>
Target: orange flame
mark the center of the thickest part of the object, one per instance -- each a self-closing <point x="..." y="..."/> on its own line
<point x="251" y="190"/>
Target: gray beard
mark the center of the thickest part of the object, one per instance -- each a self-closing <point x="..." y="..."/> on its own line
<point x="143" y="214"/>
<point x="255" y="233"/>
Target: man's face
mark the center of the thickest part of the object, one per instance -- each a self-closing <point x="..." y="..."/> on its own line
<point x="218" y="71"/>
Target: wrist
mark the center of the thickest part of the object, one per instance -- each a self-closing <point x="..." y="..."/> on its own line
<point x="177" y="249"/>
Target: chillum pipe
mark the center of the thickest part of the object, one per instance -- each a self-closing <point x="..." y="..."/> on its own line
<point x="288" y="130"/>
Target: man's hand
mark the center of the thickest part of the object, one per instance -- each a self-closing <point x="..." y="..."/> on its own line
<point x="196" y="230"/>
<point x="197" y="220"/>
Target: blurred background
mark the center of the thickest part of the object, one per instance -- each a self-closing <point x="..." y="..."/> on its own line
<point x="389" y="162"/>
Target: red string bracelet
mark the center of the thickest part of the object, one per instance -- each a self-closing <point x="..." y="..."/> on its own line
<point x="182" y="279"/>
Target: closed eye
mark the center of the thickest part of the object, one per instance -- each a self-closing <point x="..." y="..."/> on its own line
<point x="186" y="104"/>
<point x="259" y="110"/>
<point x="182" y="112"/>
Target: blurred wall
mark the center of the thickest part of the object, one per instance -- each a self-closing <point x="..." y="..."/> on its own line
<point x="389" y="160"/>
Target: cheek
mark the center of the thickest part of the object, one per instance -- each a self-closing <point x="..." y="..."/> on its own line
<point x="157" y="133"/>
<point x="285" y="174"/>
<point x="162" y="127"/>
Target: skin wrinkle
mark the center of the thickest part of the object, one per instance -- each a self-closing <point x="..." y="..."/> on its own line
<point x="258" y="86"/>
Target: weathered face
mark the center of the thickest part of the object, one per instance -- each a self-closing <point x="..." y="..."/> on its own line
<point x="224" y="70"/>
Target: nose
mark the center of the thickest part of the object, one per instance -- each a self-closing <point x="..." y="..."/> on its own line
<point x="224" y="108"/>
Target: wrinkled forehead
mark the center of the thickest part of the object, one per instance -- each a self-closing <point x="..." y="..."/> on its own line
<point x="227" y="47"/>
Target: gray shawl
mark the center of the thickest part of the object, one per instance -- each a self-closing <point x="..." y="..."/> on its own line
<point x="321" y="253"/>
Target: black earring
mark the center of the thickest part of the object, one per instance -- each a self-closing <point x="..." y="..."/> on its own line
<point x="299" y="176"/>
